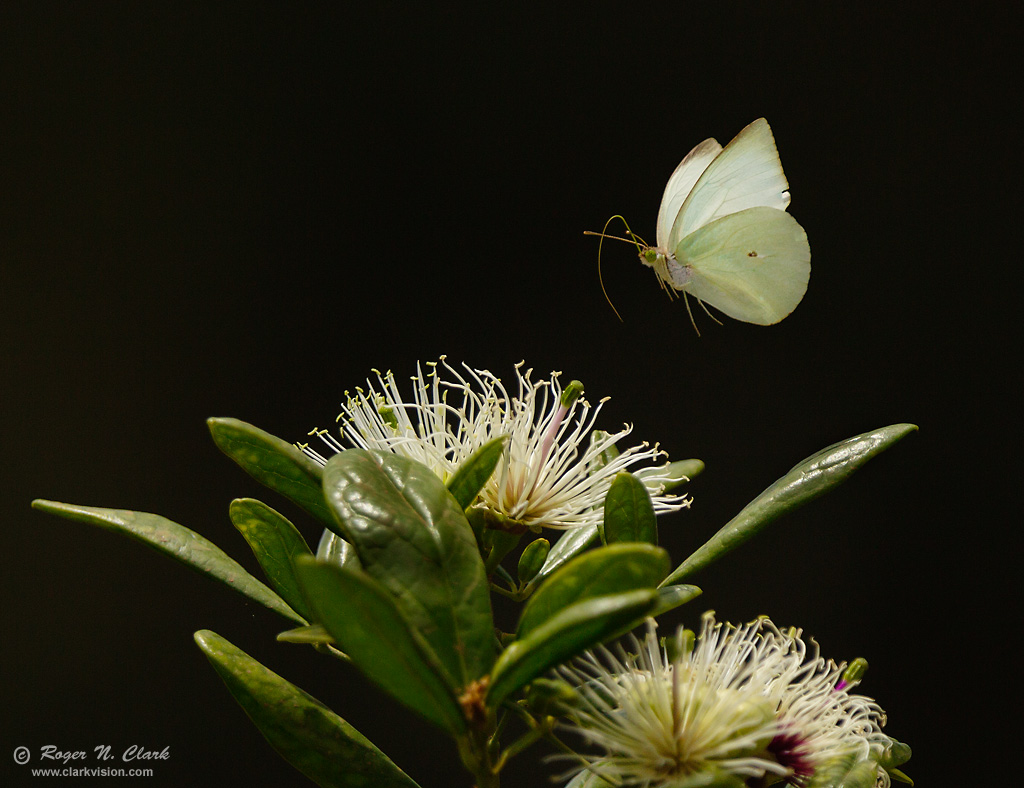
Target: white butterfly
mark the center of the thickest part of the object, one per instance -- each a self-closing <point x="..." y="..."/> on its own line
<point x="723" y="232"/>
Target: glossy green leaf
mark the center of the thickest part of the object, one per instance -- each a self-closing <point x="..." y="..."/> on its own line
<point x="307" y="734"/>
<point x="569" y="545"/>
<point x="532" y="559"/>
<point x="178" y="542"/>
<point x="367" y="625"/>
<point x="671" y="597"/>
<point x="628" y="512"/>
<point x="807" y="480"/>
<point x="273" y="463"/>
<point x="412" y="536"/>
<point x="565" y="635"/>
<point x="607" y="570"/>
<point x="471" y="476"/>
<point x="276" y="543"/>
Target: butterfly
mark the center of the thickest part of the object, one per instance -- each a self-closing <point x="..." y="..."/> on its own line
<point x="723" y="234"/>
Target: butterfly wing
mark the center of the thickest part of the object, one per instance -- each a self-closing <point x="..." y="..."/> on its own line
<point x="747" y="173"/>
<point x="753" y="265"/>
<point x="680" y="184"/>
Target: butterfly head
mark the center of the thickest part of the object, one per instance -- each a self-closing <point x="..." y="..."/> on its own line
<point x="652" y="256"/>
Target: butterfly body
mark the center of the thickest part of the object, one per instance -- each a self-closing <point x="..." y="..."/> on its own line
<point x="724" y="235"/>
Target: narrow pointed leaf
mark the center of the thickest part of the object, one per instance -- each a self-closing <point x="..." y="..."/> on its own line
<point x="178" y="542"/>
<point x="367" y="625"/>
<point x="471" y="476"/>
<point x="569" y="545"/>
<point x="565" y="635"/>
<point x="807" y="480"/>
<point x="628" y="512"/>
<point x="671" y="597"/>
<point x="307" y="734"/>
<point x="607" y="570"/>
<point x="276" y="543"/>
<point x="273" y="463"/>
<point x="412" y="536"/>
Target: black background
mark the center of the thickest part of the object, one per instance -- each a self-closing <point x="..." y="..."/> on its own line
<point x="242" y="210"/>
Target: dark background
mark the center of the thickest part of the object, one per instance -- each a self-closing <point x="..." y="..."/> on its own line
<point x="240" y="211"/>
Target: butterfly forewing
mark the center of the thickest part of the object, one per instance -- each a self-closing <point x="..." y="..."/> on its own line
<point x="746" y="174"/>
<point x="753" y="265"/>
<point x="681" y="183"/>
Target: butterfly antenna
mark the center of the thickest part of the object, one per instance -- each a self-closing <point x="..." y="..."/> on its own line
<point x="600" y="244"/>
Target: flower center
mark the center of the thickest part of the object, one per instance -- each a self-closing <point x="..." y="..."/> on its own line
<point x="788" y="749"/>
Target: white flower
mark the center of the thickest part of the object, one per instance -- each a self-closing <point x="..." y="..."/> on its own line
<point x="549" y="475"/>
<point x="742" y="701"/>
<point x="819" y="718"/>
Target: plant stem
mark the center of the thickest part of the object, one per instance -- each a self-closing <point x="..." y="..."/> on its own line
<point x="476" y="755"/>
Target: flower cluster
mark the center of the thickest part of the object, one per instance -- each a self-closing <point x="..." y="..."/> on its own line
<point x="556" y="469"/>
<point x="735" y="704"/>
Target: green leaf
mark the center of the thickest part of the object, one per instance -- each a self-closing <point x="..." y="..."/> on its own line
<point x="807" y="480"/>
<point x="607" y="570"/>
<point x="471" y="476"/>
<point x="367" y="625"/>
<point x="180" y="543"/>
<point x="565" y="635"/>
<point x="628" y="512"/>
<point x="273" y="463"/>
<point x="276" y="543"/>
<point x="307" y="734"/>
<point x="671" y="597"/>
<point x="569" y="545"/>
<point x="412" y="536"/>
<point x="532" y="559"/>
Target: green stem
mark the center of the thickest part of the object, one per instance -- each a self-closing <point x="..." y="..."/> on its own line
<point x="475" y="752"/>
<point x="499" y="590"/>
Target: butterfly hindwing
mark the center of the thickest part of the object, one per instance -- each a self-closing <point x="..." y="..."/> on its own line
<point x="753" y="265"/>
